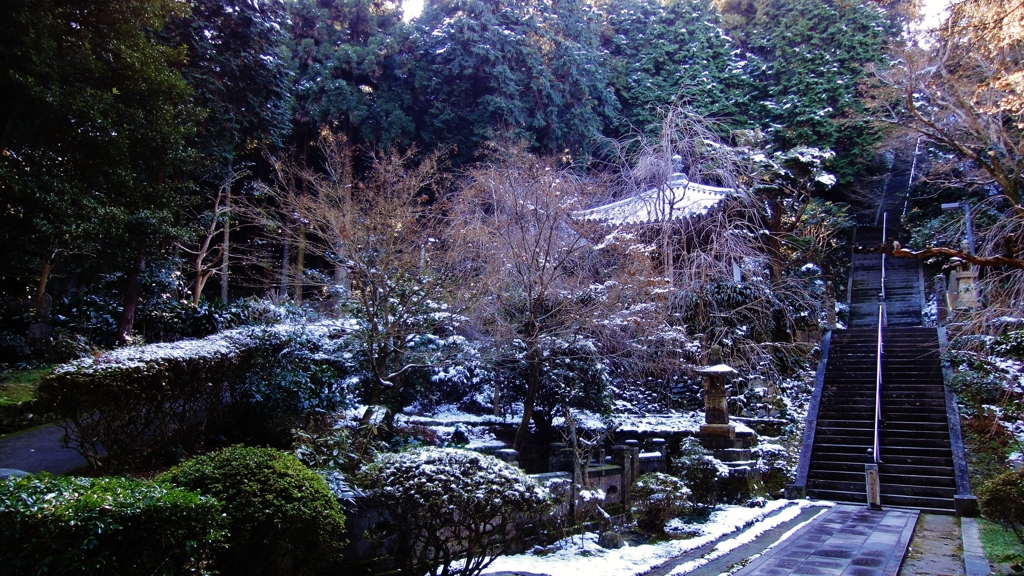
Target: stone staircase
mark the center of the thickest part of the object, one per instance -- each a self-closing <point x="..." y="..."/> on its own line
<point x="904" y="285"/>
<point x="917" y="458"/>
<point x="917" y="467"/>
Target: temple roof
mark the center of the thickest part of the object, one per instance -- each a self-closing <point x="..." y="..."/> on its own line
<point x="681" y="199"/>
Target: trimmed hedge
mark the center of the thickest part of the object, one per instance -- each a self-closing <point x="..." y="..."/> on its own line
<point x="282" y="517"/>
<point x="136" y="406"/>
<point x="89" y="526"/>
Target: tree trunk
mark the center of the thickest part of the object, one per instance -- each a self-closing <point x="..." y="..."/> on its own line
<point x="285" y="257"/>
<point x="224" y="255"/>
<point x="300" y="264"/>
<point x="774" y="241"/>
<point x="131" y="300"/>
<point x="197" y="286"/>
<point x="44" y="277"/>
<point x="532" y="386"/>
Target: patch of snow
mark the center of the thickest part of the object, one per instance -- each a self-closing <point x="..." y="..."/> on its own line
<point x="581" y="555"/>
<point x="745" y="537"/>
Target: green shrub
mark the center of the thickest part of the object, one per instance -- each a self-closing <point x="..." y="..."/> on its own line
<point x="448" y="504"/>
<point x="131" y="407"/>
<point x="1010" y="344"/>
<point x="658" y="498"/>
<point x="776" y="465"/>
<point x="282" y="518"/>
<point x="975" y="389"/>
<point x="92" y="526"/>
<point x="1002" y="501"/>
<point x="290" y="379"/>
<point x="699" y="470"/>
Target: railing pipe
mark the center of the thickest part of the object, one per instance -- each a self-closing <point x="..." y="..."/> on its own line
<point x="876" y="451"/>
<point x="885" y="226"/>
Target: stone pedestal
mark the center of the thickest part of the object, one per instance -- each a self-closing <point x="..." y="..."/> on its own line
<point x="508" y="455"/>
<point x="624" y="456"/>
<point x="872" y="487"/>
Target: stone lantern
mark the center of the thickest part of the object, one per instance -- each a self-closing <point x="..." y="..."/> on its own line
<point x="716" y="430"/>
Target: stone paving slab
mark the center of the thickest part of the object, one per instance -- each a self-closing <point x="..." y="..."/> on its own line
<point x="847" y="541"/>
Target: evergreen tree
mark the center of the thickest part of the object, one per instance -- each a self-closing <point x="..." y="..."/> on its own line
<point x="667" y="53"/>
<point x="805" y="60"/>
<point x="241" y="84"/>
<point x="524" y="69"/>
<point x="350" y="59"/>
<point x="95" y="116"/>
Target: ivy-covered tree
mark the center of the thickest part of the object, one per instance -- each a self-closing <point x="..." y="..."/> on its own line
<point x="521" y="69"/>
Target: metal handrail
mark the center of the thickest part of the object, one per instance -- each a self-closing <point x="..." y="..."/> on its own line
<point x="885" y="225"/>
<point x="876" y="450"/>
<point x="877" y="454"/>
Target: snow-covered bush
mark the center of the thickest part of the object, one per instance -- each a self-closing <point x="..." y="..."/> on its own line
<point x="457" y="376"/>
<point x="658" y="498"/>
<point x="572" y="374"/>
<point x="291" y="378"/>
<point x="135" y="405"/>
<point x="776" y="466"/>
<point x="451" y="511"/>
<point x="700" y="472"/>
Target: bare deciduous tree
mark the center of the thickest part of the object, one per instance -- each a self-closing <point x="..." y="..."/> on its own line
<point x="516" y="214"/>
<point x="382" y="241"/>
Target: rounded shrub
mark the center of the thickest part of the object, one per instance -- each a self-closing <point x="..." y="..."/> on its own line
<point x="282" y="518"/>
<point x="448" y="504"/>
<point x="658" y="498"/>
<point x="701" y="473"/>
<point x="88" y="526"/>
<point x="1001" y="500"/>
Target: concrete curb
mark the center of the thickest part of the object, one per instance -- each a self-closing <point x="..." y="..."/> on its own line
<point x="975" y="562"/>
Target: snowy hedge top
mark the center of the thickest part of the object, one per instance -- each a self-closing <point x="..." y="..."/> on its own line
<point x="220" y="345"/>
<point x="681" y="199"/>
<point x="445" y="480"/>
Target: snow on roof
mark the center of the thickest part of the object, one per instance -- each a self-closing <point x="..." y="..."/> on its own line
<point x="681" y="199"/>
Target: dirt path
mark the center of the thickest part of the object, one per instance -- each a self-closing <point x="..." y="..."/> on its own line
<point x="936" y="548"/>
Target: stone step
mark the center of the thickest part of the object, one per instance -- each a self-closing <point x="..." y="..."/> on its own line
<point x="940" y="505"/>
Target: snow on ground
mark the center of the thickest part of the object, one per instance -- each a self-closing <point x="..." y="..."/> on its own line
<point x="683" y="421"/>
<point x="746" y="537"/>
<point x="581" y="556"/>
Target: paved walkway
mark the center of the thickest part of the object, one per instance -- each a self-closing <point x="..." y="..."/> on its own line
<point x="847" y="541"/>
<point x="37" y="450"/>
